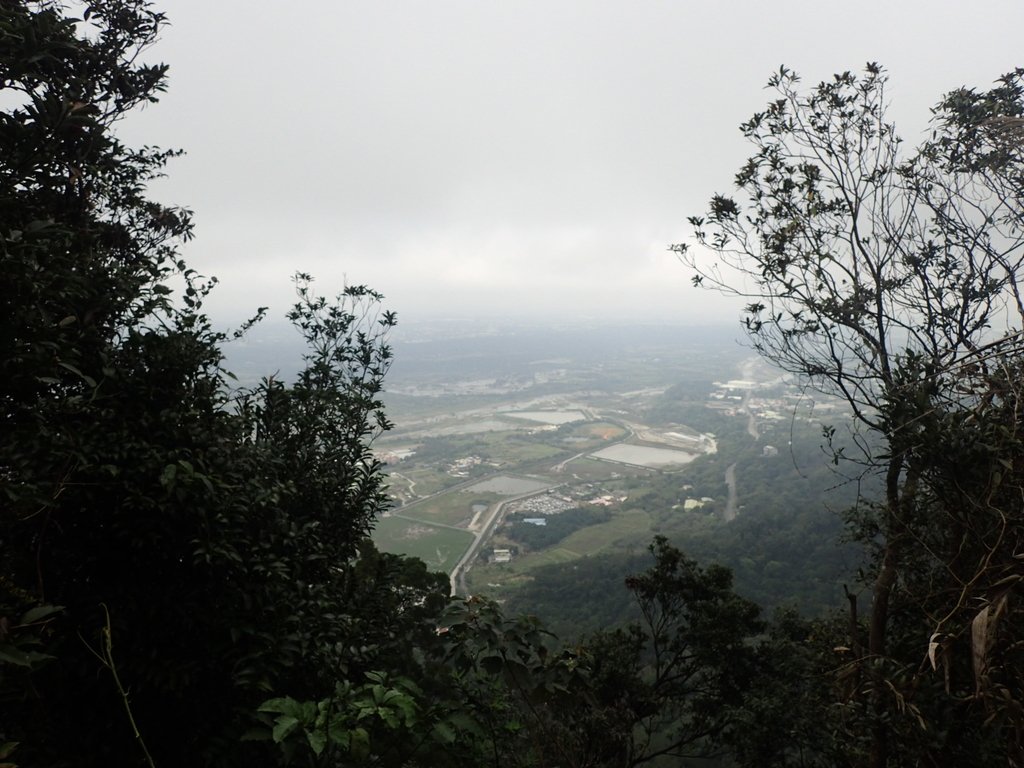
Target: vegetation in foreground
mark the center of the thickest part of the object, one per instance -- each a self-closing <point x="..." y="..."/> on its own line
<point x="185" y="570"/>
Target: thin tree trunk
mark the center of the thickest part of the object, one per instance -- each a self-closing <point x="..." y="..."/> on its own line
<point x="876" y="651"/>
<point x="898" y="500"/>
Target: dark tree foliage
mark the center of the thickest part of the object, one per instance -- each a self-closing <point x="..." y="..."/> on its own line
<point x="499" y="691"/>
<point x="581" y="597"/>
<point x="788" y="718"/>
<point x="890" y="278"/>
<point x="969" y="570"/>
<point x="185" y="573"/>
<point x="170" y="552"/>
<point x="555" y="528"/>
<point x="692" y="643"/>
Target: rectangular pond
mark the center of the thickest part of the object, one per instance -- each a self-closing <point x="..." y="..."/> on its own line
<point x="644" y="456"/>
<point x="548" y="417"/>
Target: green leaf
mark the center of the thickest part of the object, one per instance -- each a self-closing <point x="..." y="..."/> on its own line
<point x="444" y="732"/>
<point x="283" y="727"/>
<point x="11" y="655"/>
<point x="40" y="612"/>
<point x="168" y="475"/>
<point x="87" y="379"/>
<point x="464" y="722"/>
<point x="317" y="741"/>
<point x="359" y="742"/>
<point x="284" y="705"/>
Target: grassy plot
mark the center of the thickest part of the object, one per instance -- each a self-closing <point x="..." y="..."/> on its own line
<point x="406" y="479"/>
<point x="506" y="485"/>
<point x="542" y="557"/>
<point x="440" y="548"/>
<point x="514" y="449"/>
<point x="455" y="508"/>
<point x="594" y="470"/>
<point x="600" y="430"/>
<point x="629" y="528"/>
<point x="483" y="577"/>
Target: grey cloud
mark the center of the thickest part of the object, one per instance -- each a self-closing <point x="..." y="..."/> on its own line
<point x="492" y="155"/>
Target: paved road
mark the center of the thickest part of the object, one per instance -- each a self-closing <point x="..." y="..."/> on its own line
<point x="435" y="494"/>
<point x="482" y="536"/>
<point x="730" y="506"/>
<point x="751" y="421"/>
<point x="560" y="467"/>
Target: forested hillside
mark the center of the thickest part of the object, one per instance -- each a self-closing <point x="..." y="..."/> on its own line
<point x="186" y="573"/>
<point x="784" y="547"/>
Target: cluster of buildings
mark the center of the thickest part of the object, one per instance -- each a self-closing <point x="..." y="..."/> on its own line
<point x="395" y="456"/>
<point x="461" y="467"/>
<point x="549" y="503"/>
<point x="740" y="395"/>
<point x="554" y="501"/>
<point x="607" y="500"/>
<point x="487" y="386"/>
<point x="691" y="504"/>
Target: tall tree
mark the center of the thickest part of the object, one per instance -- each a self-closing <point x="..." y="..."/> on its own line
<point x="878" y="275"/>
<point x="973" y="482"/>
<point x="170" y="550"/>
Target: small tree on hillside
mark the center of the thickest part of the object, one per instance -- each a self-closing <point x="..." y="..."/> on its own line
<point x="878" y="275"/>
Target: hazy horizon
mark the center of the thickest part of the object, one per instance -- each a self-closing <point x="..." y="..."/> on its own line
<point x="529" y="159"/>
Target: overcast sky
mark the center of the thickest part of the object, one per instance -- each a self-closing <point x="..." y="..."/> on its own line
<point x="514" y="158"/>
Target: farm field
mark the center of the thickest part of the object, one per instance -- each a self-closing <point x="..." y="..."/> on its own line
<point x="464" y="442"/>
<point x="505" y="485"/>
<point x="455" y="508"/>
<point x="425" y="480"/>
<point x="627" y="528"/>
<point x="592" y="470"/>
<point x="440" y="548"/>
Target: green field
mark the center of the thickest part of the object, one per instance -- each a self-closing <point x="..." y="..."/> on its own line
<point x="455" y="508"/>
<point x="431" y="529"/>
<point x="426" y="479"/>
<point x="514" y="449"/>
<point x="440" y="548"/>
<point x="624" y="528"/>
<point x="483" y="576"/>
<point x="592" y="469"/>
<point x="632" y="527"/>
